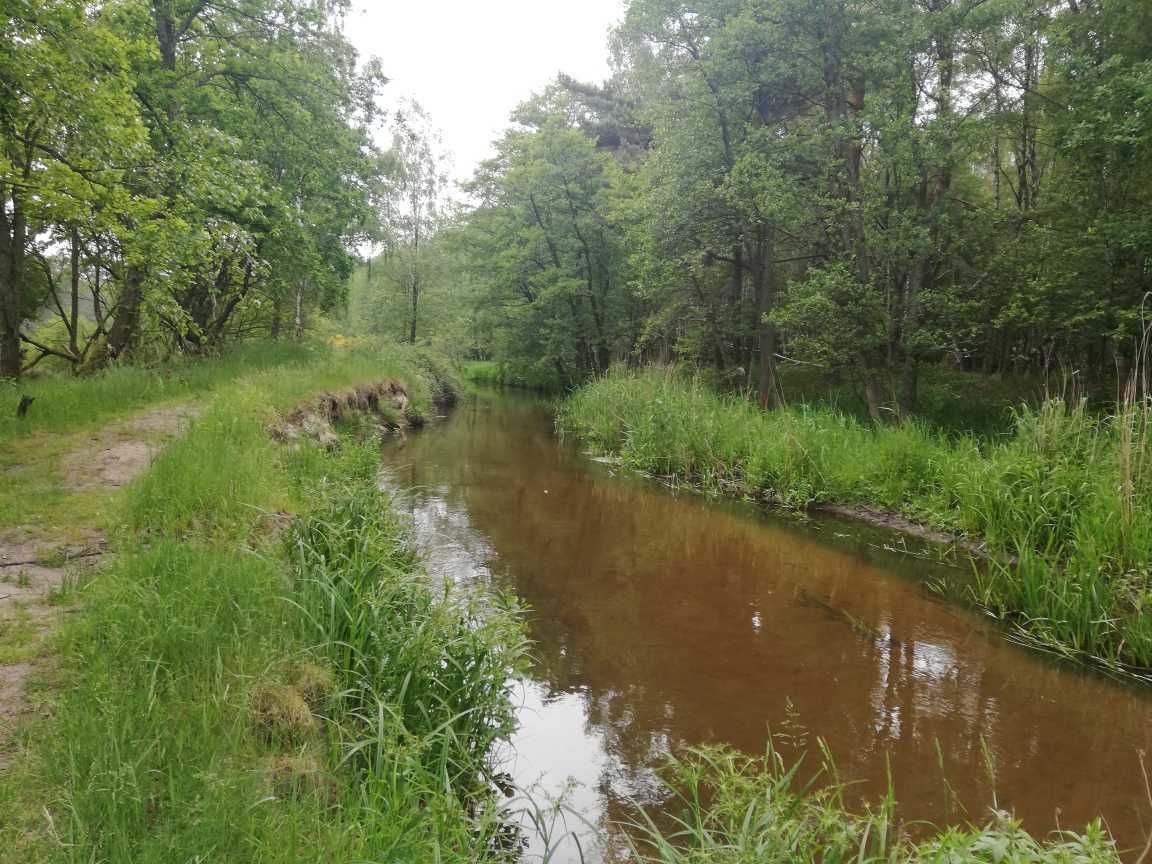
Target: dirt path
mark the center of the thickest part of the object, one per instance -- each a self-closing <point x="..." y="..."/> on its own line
<point x="120" y="451"/>
<point x="35" y="574"/>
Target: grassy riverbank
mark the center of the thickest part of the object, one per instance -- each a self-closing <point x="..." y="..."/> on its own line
<point x="241" y="684"/>
<point x="490" y="373"/>
<point x="1066" y="493"/>
<point x="64" y="402"/>
<point x="263" y="672"/>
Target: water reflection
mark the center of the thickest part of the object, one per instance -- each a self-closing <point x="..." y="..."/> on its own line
<point x="664" y="620"/>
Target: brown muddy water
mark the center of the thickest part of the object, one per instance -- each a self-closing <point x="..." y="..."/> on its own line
<point x="664" y="620"/>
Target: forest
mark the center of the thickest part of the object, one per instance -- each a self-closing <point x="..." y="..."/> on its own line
<point x="176" y="175"/>
<point x="759" y="438"/>
<point x="862" y="190"/>
<point x="867" y="189"/>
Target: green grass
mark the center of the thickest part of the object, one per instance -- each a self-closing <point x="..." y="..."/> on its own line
<point x="212" y="480"/>
<point x="950" y="400"/>
<point x="417" y="667"/>
<point x="486" y="372"/>
<point x="1067" y="493"/>
<point x="733" y="809"/>
<point x="212" y="701"/>
<point x="67" y="403"/>
<point x="264" y="672"/>
<point x="491" y="373"/>
<point x="69" y="408"/>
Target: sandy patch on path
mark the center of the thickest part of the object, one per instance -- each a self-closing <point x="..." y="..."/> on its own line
<point x="33" y="573"/>
<point x="121" y="450"/>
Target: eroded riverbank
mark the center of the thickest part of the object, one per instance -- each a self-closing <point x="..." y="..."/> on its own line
<point x="665" y="620"/>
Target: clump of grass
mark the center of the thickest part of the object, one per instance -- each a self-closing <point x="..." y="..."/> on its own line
<point x="486" y="372"/>
<point x="491" y="373"/>
<point x="415" y="668"/>
<point x="734" y="809"/>
<point x="1064" y="501"/>
<point x="281" y="713"/>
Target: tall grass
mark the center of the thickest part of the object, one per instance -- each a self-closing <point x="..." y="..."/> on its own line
<point x="490" y="373"/>
<point x="1064" y="501"/>
<point x="212" y="703"/>
<point x="416" y="668"/>
<point x="486" y="372"/>
<point x="214" y="479"/>
<point x="737" y="810"/>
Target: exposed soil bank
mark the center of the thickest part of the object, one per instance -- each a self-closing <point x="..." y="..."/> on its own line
<point x="891" y="520"/>
<point x="387" y="401"/>
<point x="898" y="522"/>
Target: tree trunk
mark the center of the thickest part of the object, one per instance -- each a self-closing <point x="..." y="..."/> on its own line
<point x="11" y="356"/>
<point x="872" y="392"/>
<point x="13" y="238"/>
<point x="167" y="39"/>
<point x="769" y="382"/>
<point x="764" y="275"/>
<point x="122" y="333"/>
<point x="299" y="324"/>
<point x="415" y="307"/>
<point x="910" y="363"/>
<point x="277" y="313"/>
<point x="909" y="386"/>
<point x="935" y="184"/>
<point x="74" y="310"/>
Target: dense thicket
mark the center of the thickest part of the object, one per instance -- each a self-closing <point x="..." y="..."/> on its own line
<point x="175" y="172"/>
<point x="865" y="185"/>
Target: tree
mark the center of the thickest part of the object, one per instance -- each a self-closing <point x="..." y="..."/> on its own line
<point x="208" y="166"/>
<point x="418" y="181"/>
<point x="544" y="247"/>
<point x="70" y="131"/>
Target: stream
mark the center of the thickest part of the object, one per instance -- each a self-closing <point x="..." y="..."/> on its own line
<point x="665" y="619"/>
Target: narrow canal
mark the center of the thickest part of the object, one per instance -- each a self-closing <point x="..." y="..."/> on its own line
<point x="664" y="620"/>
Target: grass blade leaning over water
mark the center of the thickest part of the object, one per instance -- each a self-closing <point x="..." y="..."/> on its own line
<point x="735" y="809"/>
<point x="426" y="670"/>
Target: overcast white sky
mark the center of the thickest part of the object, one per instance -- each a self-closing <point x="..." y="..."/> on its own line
<point x="471" y="63"/>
